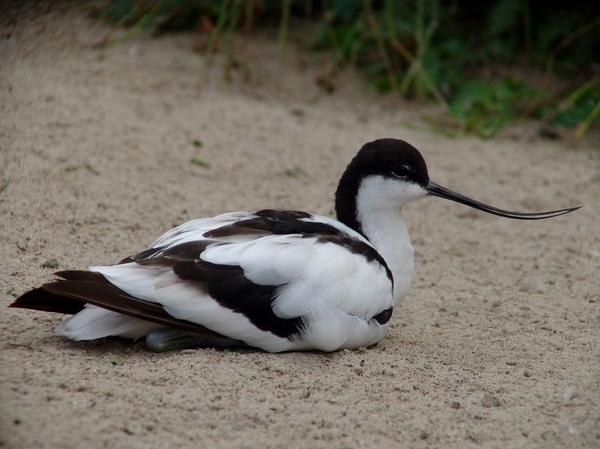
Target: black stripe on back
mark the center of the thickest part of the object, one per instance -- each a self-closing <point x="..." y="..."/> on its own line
<point x="277" y="222"/>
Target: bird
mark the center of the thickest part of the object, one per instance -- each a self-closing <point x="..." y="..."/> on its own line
<point x="276" y="280"/>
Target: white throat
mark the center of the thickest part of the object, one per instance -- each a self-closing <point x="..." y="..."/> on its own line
<point x="379" y="204"/>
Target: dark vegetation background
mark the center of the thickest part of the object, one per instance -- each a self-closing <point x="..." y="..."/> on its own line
<point x="486" y="63"/>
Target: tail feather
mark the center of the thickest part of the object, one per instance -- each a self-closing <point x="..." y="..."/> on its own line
<point x="42" y="299"/>
<point x="77" y="288"/>
<point x="81" y="275"/>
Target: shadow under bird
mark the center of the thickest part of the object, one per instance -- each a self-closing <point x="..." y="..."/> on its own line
<point x="275" y="280"/>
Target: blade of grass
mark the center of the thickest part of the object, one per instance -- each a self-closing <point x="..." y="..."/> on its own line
<point x="213" y="37"/>
<point x="145" y="20"/>
<point x="574" y="96"/>
<point x="585" y="124"/>
<point x="564" y="43"/>
<point x="228" y="50"/>
<point x="215" y="33"/>
<point x="249" y="16"/>
<point x="375" y="29"/>
<point x="416" y="73"/>
<point x="284" y="24"/>
<point x="578" y="93"/>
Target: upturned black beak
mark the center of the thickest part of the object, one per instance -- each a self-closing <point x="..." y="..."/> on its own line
<point x="442" y="192"/>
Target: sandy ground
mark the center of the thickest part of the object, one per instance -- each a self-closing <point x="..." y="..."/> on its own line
<point x="496" y="345"/>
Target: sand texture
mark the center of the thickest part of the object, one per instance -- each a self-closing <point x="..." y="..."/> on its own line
<point x="102" y="148"/>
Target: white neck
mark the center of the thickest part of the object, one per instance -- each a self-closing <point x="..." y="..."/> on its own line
<point x="379" y="213"/>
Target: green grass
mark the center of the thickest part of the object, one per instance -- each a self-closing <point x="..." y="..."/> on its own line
<point x="484" y="107"/>
<point x="457" y="53"/>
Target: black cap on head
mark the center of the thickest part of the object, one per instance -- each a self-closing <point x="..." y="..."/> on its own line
<point x="390" y="158"/>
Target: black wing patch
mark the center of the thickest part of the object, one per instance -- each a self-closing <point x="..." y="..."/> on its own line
<point x="227" y="285"/>
<point x="384" y="317"/>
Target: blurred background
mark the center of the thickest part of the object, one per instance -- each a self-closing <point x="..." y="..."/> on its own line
<point x="484" y="63"/>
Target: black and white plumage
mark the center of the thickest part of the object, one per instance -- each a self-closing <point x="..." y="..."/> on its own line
<point x="275" y="280"/>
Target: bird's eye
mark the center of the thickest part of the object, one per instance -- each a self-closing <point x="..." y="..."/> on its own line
<point x="401" y="171"/>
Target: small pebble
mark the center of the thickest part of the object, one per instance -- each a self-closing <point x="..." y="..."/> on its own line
<point x="306" y="393"/>
<point x="569" y="393"/>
